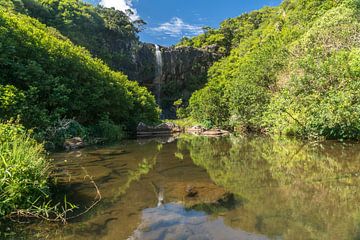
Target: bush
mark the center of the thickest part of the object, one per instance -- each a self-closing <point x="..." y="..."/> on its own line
<point x="55" y="135"/>
<point x="23" y="170"/>
<point x="47" y="77"/>
<point x="314" y="105"/>
<point x="294" y="72"/>
<point x="108" y="130"/>
<point x="209" y="107"/>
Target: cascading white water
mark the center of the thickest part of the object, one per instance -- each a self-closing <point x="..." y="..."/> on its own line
<point x="158" y="73"/>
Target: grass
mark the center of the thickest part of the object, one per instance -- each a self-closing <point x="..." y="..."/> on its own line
<point x="24" y="171"/>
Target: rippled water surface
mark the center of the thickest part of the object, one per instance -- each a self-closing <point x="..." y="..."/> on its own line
<point x="212" y="188"/>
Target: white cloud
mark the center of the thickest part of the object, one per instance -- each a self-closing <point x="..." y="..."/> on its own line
<point x="121" y="5"/>
<point x="176" y="27"/>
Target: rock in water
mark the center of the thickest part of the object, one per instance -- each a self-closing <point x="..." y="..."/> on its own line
<point x="191" y="191"/>
<point x="162" y="129"/>
<point x="74" y="143"/>
<point x="215" y="132"/>
<point x="195" y="129"/>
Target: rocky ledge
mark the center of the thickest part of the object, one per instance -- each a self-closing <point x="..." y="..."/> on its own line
<point x="198" y="130"/>
<point x="163" y="129"/>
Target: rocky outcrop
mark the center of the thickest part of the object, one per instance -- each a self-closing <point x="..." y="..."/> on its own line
<point x="199" y="130"/>
<point x="195" y="130"/>
<point x="182" y="63"/>
<point x="144" y="65"/>
<point x="163" y="129"/>
<point x="215" y="133"/>
<point x="184" y="71"/>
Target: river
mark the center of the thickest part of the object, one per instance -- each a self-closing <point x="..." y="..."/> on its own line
<point x="210" y="188"/>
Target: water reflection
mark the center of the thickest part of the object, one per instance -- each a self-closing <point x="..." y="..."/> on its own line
<point x="292" y="189"/>
<point x="173" y="221"/>
<point x="213" y="188"/>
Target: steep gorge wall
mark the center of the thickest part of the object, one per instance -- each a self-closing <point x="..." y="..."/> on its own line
<point x="184" y="71"/>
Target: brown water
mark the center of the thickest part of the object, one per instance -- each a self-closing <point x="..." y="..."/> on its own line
<point x="226" y="188"/>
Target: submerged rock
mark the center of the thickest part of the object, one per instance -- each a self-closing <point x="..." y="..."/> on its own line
<point x="193" y="193"/>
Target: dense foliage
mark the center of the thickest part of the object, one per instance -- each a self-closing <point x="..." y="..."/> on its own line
<point x="107" y="33"/>
<point x="45" y="78"/>
<point x="23" y="170"/>
<point x="230" y="33"/>
<point x="292" y="69"/>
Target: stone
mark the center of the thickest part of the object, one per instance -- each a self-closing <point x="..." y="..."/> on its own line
<point x="191" y="192"/>
<point x="195" y="129"/>
<point x="74" y="143"/>
<point x="159" y="130"/>
<point x="215" y="132"/>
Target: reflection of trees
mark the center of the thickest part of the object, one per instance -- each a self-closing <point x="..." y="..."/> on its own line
<point x="138" y="164"/>
<point x="134" y="175"/>
<point x="293" y="189"/>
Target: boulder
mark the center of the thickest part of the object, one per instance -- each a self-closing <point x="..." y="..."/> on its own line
<point x="162" y="129"/>
<point x="195" y="129"/>
<point x="74" y="143"/>
<point x="215" y="132"/>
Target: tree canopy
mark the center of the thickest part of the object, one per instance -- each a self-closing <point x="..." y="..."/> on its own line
<point x="292" y="69"/>
<point x="44" y="77"/>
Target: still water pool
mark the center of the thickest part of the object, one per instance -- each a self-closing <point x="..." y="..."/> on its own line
<point x="211" y="188"/>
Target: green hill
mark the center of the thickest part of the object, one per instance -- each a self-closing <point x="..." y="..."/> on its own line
<point x="44" y="77"/>
<point x="292" y="69"/>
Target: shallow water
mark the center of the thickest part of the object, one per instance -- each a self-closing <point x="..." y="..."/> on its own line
<point x="212" y="188"/>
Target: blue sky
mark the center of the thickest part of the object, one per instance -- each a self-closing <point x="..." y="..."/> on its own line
<point x="169" y="20"/>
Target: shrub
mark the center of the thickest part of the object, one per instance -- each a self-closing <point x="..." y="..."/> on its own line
<point x="62" y="129"/>
<point x="295" y="72"/>
<point x="108" y="130"/>
<point x="323" y="102"/>
<point x="54" y="79"/>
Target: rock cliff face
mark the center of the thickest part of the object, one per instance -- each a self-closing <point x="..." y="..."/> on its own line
<point x="184" y="71"/>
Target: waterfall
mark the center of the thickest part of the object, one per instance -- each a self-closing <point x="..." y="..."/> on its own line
<point x="158" y="73"/>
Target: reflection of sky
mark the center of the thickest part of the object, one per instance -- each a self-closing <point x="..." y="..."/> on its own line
<point x="173" y="221"/>
<point x="169" y="20"/>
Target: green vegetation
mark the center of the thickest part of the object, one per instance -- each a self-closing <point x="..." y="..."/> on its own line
<point x="59" y="90"/>
<point x="230" y="34"/>
<point x="107" y="33"/>
<point x="46" y="78"/>
<point x="292" y="69"/>
<point x="23" y="170"/>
